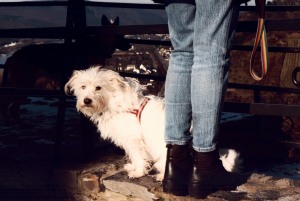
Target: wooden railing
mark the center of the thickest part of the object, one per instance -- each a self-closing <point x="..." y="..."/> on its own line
<point x="70" y="31"/>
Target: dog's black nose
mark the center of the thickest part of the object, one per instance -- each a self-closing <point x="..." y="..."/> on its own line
<point x="87" y="101"/>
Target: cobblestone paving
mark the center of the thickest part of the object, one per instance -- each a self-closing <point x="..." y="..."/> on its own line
<point x="27" y="172"/>
<point x="280" y="182"/>
<point x="105" y="180"/>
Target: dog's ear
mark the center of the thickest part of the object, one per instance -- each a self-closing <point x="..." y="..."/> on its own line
<point x="69" y="85"/>
<point x="68" y="90"/>
<point x="119" y="82"/>
<point x="122" y="84"/>
<point x="105" y="20"/>
<point x="116" y="21"/>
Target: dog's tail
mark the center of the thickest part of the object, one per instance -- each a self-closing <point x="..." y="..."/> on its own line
<point x="231" y="160"/>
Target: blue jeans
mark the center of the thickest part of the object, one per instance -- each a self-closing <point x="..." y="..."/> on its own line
<point x="201" y="36"/>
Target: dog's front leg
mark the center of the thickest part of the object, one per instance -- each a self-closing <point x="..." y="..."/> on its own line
<point x="139" y="158"/>
<point x="125" y="131"/>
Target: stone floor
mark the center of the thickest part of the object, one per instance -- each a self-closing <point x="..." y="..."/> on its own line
<point x="27" y="171"/>
<point x="103" y="179"/>
<point x="276" y="183"/>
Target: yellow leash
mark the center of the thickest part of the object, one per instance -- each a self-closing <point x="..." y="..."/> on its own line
<point x="260" y="38"/>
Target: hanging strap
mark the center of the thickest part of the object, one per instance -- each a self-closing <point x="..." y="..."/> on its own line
<point x="260" y="38"/>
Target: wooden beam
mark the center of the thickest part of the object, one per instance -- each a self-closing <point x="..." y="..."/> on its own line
<point x="263" y="109"/>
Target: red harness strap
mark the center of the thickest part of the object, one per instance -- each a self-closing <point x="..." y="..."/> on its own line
<point x="138" y="112"/>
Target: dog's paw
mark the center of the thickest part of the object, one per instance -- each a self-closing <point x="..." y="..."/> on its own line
<point x="132" y="171"/>
<point x="159" y="176"/>
<point x="129" y="167"/>
<point x="135" y="174"/>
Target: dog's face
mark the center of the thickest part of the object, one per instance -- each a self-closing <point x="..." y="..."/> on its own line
<point x="95" y="89"/>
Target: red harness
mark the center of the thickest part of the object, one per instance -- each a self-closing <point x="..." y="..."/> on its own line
<point x="138" y="112"/>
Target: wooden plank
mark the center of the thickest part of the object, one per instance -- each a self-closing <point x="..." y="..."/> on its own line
<point x="30" y="92"/>
<point x="270" y="49"/>
<point x="264" y="88"/>
<point x="291" y="61"/>
<point x="125" y="5"/>
<point x="271" y="25"/>
<point x="263" y="109"/>
<point x="281" y="8"/>
<point x="33" y="3"/>
<point x="62" y="32"/>
<point x="86" y="3"/>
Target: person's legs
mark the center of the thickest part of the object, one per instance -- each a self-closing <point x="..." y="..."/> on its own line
<point x="178" y="98"/>
<point x="214" y="28"/>
<point x="196" y="79"/>
<point x="178" y="80"/>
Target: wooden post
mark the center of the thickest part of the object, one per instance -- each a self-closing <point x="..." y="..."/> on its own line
<point x="291" y="61"/>
<point x="76" y="20"/>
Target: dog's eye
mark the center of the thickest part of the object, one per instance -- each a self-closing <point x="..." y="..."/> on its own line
<point x="97" y="88"/>
<point x="83" y="87"/>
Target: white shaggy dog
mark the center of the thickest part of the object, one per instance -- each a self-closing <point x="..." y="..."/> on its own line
<point x="129" y="119"/>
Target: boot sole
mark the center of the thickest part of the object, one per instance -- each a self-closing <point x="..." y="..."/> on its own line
<point x="199" y="192"/>
<point x="175" y="188"/>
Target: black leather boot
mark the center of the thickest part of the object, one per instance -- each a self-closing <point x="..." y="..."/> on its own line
<point x="178" y="169"/>
<point x="209" y="175"/>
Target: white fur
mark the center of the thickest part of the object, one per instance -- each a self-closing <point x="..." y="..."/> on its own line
<point x="113" y="98"/>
